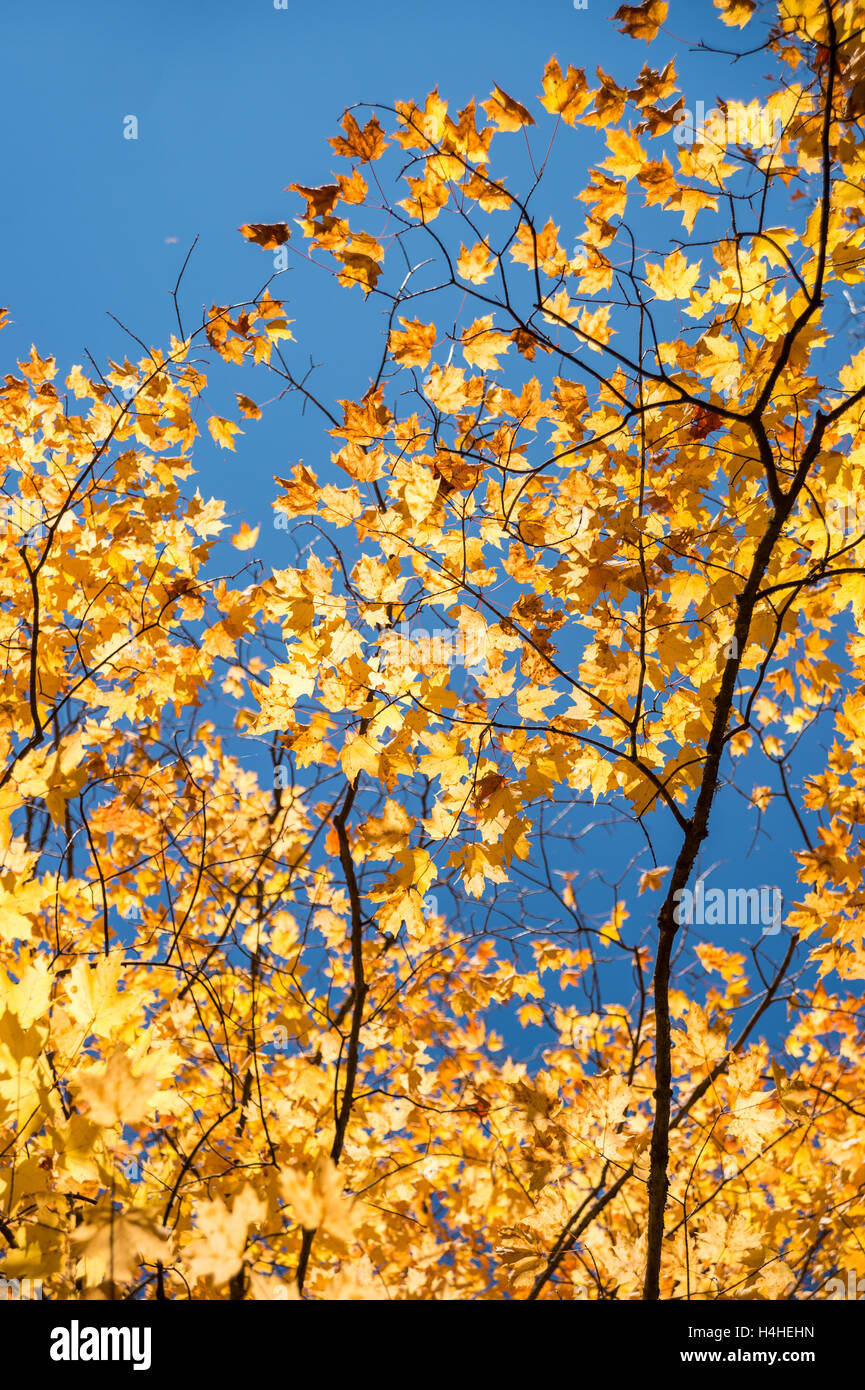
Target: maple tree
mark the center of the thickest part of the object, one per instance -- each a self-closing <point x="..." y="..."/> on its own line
<point x="265" y="1030"/>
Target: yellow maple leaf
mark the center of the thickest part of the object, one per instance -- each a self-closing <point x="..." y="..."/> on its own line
<point x="319" y="201"/>
<point x="223" y="431"/>
<point x="420" y="493"/>
<point x="675" y="279"/>
<point x="506" y="112"/>
<point x="736" y="13"/>
<point x="364" y="144"/>
<point x="318" y="1202"/>
<point x="217" y="1247"/>
<point x="412" y="346"/>
<point x="651" y="879"/>
<point x="529" y="1014"/>
<point x="476" y="265"/>
<point x="691" y="201"/>
<point x="628" y="157"/>
<point x="115" y="1094"/>
<point x="360" y="754"/>
<point x="246" y="537"/>
<point x="612" y="928"/>
<point x="268" y="235"/>
<point x="793" y="1097"/>
<point x="566" y="96"/>
<point x="642" y="21"/>
<point x="482" y="344"/>
<point x="113" y="1243"/>
<point x="248" y="407"/>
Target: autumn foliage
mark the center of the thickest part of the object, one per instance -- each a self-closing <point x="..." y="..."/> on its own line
<point x="300" y="992"/>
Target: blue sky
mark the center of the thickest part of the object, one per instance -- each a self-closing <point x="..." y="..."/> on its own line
<point x="234" y="101"/>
